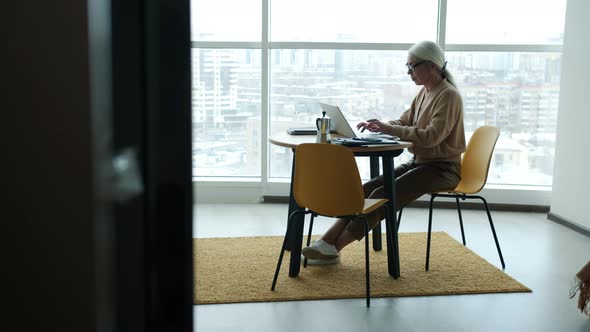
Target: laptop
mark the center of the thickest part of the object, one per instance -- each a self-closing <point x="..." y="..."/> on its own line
<point x="341" y="126"/>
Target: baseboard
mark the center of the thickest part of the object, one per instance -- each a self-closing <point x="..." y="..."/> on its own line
<point x="568" y="223"/>
<point x="275" y="199"/>
<point x="447" y="205"/>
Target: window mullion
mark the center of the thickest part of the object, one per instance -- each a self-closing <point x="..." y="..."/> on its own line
<point x="265" y="95"/>
<point x="442" y="23"/>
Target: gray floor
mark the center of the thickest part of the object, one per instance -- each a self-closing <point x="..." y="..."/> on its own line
<point x="539" y="253"/>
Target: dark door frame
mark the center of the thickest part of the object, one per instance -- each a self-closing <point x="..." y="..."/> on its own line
<point x="83" y="79"/>
<point x="152" y="114"/>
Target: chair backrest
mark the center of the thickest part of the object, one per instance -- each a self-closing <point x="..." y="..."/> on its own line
<point x="476" y="159"/>
<point x="327" y="180"/>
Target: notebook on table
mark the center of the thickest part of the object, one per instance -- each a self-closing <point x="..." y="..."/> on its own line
<point x="302" y="131"/>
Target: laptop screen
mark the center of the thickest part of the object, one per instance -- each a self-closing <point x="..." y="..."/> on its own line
<point x="339" y="122"/>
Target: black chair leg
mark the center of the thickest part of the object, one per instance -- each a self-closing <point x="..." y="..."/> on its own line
<point x="460" y="220"/>
<point x="399" y="218"/>
<point x="376" y="232"/>
<point x="283" y="248"/>
<point x="493" y="232"/>
<point x="429" y="231"/>
<point x="367" y="274"/>
<point x="313" y="215"/>
<point x="274" y="280"/>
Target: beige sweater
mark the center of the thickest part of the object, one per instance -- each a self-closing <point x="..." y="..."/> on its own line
<point x="438" y="133"/>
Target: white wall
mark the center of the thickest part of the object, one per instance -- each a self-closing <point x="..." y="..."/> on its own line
<point x="571" y="179"/>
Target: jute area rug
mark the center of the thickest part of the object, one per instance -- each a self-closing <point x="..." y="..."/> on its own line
<point x="232" y="270"/>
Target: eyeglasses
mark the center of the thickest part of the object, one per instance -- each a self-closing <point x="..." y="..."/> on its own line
<point x="412" y="66"/>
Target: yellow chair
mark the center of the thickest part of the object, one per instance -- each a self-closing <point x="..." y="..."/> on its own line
<point x="475" y="165"/>
<point x="326" y="182"/>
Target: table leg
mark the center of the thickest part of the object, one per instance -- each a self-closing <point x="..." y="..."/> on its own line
<point x="294" y="229"/>
<point x="374" y="167"/>
<point x="393" y="265"/>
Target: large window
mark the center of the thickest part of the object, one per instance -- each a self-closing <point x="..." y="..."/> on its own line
<point x="517" y="92"/>
<point x="226" y="112"/>
<point x="262" y="66"/>
<point x="226" y="20"/>
<point x="505" y="22"/>
<point x="367" y="21"/>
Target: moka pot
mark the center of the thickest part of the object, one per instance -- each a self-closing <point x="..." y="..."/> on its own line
<point x="323" y="125"/>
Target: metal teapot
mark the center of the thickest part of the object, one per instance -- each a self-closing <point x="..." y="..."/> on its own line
<point x="323" y="124"/>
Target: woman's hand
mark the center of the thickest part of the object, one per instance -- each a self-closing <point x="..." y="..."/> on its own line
<point x="373" y="125"/>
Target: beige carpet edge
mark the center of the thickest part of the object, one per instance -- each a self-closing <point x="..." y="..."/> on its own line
<point x="205" y="248"/>
<point x="373" y="296"/>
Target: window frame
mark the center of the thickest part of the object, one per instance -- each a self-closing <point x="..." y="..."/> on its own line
<point x="253" y="189"/>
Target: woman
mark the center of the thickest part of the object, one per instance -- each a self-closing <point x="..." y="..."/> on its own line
<point x="434" y="124"/>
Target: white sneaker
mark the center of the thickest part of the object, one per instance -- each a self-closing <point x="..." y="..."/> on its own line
<point x="320" y="249"/>
<point x="322" y="261"/>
